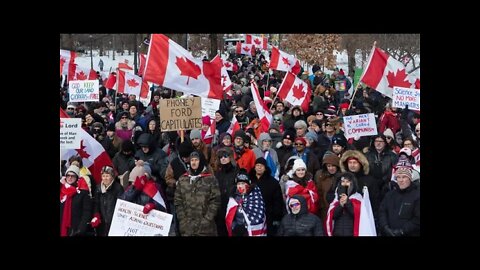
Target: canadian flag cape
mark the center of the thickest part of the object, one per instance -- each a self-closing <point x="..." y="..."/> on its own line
<point x="383" y="72"/>
<point x="247" y="49"/>
<point x="263" y="112"/>
<point x="66" y="58"/>
<point x="259" y="42"/>
<point x="284" y="61"/>
<point x="170" y="65"/>
<point x="93" y="154"/>
<point x="363" y="222"/>
<point x="295" y="91"/>
<point x="132" y="84"/>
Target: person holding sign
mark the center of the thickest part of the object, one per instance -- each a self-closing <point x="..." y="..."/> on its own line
<point x="197" y="199"/>
<point x="105" y="198"/>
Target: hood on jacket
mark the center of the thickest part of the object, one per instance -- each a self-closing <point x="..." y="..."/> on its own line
<point x="263" y="136"/>
<point x="303" y="204"/>
<point x="330" y="159"/>
<point x="359" y="156"/>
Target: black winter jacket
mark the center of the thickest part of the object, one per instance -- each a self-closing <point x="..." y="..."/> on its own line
<point x="301" y="224"/>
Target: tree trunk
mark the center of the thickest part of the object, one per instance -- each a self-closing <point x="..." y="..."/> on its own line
<point x="213" y="45"/>
<point x="351" y="62"/>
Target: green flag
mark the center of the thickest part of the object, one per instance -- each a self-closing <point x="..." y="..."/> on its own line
<point x="356" y="77"/>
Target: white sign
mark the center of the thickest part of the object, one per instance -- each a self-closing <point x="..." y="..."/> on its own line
<point x="210" y="106"/>
<point x="70" y="133"/>
<point x="360" y="125"/>
<point x="83" y="91"/>
<point x="129" y="220"/>
<point x="406" y="96"/>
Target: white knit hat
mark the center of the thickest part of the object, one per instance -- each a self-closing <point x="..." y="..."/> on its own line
<point x="73" y="169"/>
<point x="298" y="163"/>
<point x="388" y="133"/>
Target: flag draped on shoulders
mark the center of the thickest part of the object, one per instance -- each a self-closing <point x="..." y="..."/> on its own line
<point x="295" y="91"/>
<point x="170" y="65"/>
<point x="383" y="72"/>
<point x="254" y="209"/>
<point x="93" y="155"/>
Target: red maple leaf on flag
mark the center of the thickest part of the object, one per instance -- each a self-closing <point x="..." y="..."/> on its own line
<point x="298" y="91"/>
<point x="417" y="83"/>
<point x="227" y="64"/>
<point x="257" y="41"/>
<point x="132" y="83"/>
<point x="188" y="68"/>
<point x="246" y="49"/>
<point x="398" y="80"/>
<point x="81" y="76"/>
<point x="81" y="152"/>
<point x="285" y="61"/>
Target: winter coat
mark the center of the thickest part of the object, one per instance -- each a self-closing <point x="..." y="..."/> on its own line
<point x="226" y="183"/>
<point x="326" y="183"/>
<point x="105" y="205"/>
<point x="123" y="163"/>
<point x="134" y="195"/>
<point x="400" y="209"/>
<point x="81" y="213"/>
<point x="197" y="199"/>
<point x="301" y="224"/>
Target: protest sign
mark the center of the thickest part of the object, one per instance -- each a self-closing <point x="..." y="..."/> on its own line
<point x="180" y="113"/>
<point x="83" y="91"/>
<point x="70" y="133"/>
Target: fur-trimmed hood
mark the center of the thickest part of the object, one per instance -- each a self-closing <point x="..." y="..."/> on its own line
<point x="358" y="155"/>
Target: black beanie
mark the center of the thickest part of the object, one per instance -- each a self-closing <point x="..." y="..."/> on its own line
<point x="185" y="148"/>
<point x="262" y="161"/>
<point x="222" y="113"/>
<point x="127" y="146"/>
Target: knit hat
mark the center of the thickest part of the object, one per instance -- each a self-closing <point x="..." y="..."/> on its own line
<point x="127" y="146"/>
<point x="136" y="172"/>
<point x="344" y="106"/>
<point x="301" y="139"/>
<point x="205" y="120"/>
<point x="240" y="133"/>
<point x="73" y="169"/>
<point x="289" y="135"/>
<point x="222" y="113"/>
<point x="274" y="126"/>
<point x="261" y="160"/>
<point x="111" y="127"/>
<point x="242" y="176"/>
<point x="405" y="171"/>
<point x="195" y="134"/>
<point x="300" y="124"/>
<point x="311" y="136"/>
<point x="195" y="154"/>
<point x="388" y="133"/>
<point x="109" y="170"/>
<point x="298" y="164"/>
<point x="404" y="161"/>
<point x="339" y="139"/>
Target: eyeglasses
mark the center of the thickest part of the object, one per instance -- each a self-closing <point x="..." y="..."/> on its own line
<point x="295" y="204"/>
<point x="277" y="120"/>
<point x="70" y="175"/>
<point x="224" y="156"/>
<point x="298" y="144"/>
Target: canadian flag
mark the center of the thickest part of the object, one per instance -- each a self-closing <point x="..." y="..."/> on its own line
<point x="295" y="91"/>
<point x="81" y="73"/>
<point x="383" y="72"/>
<point x="143" y="60"/>
<point x="283" y="61"/>
<point x="66" y="57"/>
<point x="363" y="222"/>
<point x="226" y="82"/>
<point x="263" y="112"/>
<point x="248" y="49"/>
<point x="112" y="79"/>
<point x="211" y="130"/>
<point x="131" y="84"/>
<point x="234" y="126"/>
<point x="124" y="65"/>
<point x="152" y="191"/>
<point x="259" y="42"/>
<point x="93" y="154"/>
<point x="228" y="65"/>
<point x="170" y="65"/>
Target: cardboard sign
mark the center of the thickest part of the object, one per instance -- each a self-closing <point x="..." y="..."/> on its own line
<point x="129" y="220"/>
<point x="180" y="113"/>
<point x="360" y="125"/>
<point x="210" y="106"/>
<point x="83" y="91"/>
<point x="406" y="96"/>
<point x="70" y="133"/>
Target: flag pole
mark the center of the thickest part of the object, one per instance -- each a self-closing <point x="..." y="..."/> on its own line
<point x="359" y="80"/>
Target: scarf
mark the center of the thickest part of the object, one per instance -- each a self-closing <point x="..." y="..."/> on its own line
<point x="66" y="194"/>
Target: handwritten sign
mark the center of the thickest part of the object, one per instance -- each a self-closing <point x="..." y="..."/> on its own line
<point x="180" y="113"/>
<point x="406" y="96"/>
<point x="70" y="133"/>
<point x="210" y="106"/>
<point x="129" y="220"/>
<point x="83" y="91"/>
<point x="360" y="125"/>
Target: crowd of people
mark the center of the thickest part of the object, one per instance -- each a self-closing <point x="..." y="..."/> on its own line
<point x="301" y="177"/>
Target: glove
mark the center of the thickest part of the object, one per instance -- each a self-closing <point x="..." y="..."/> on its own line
<point x="148" y="207"/>
<point x="388" y="231"/>
<point x="139" y="183"/>
<point x="95" y="222"/>
<point x="397" y="232"/>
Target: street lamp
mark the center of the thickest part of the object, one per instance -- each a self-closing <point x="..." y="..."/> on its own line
<point x="91" y="48"/>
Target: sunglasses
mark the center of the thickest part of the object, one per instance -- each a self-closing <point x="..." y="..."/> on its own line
<point x="295" y="204"/>
<point x="238" y="111"/>
<point x="223" y="156"/>
<point x="70" y="175"/>
<point x="124" y="117"/>
<point x="70" y="109"/>
<point x="299" y="144"/>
